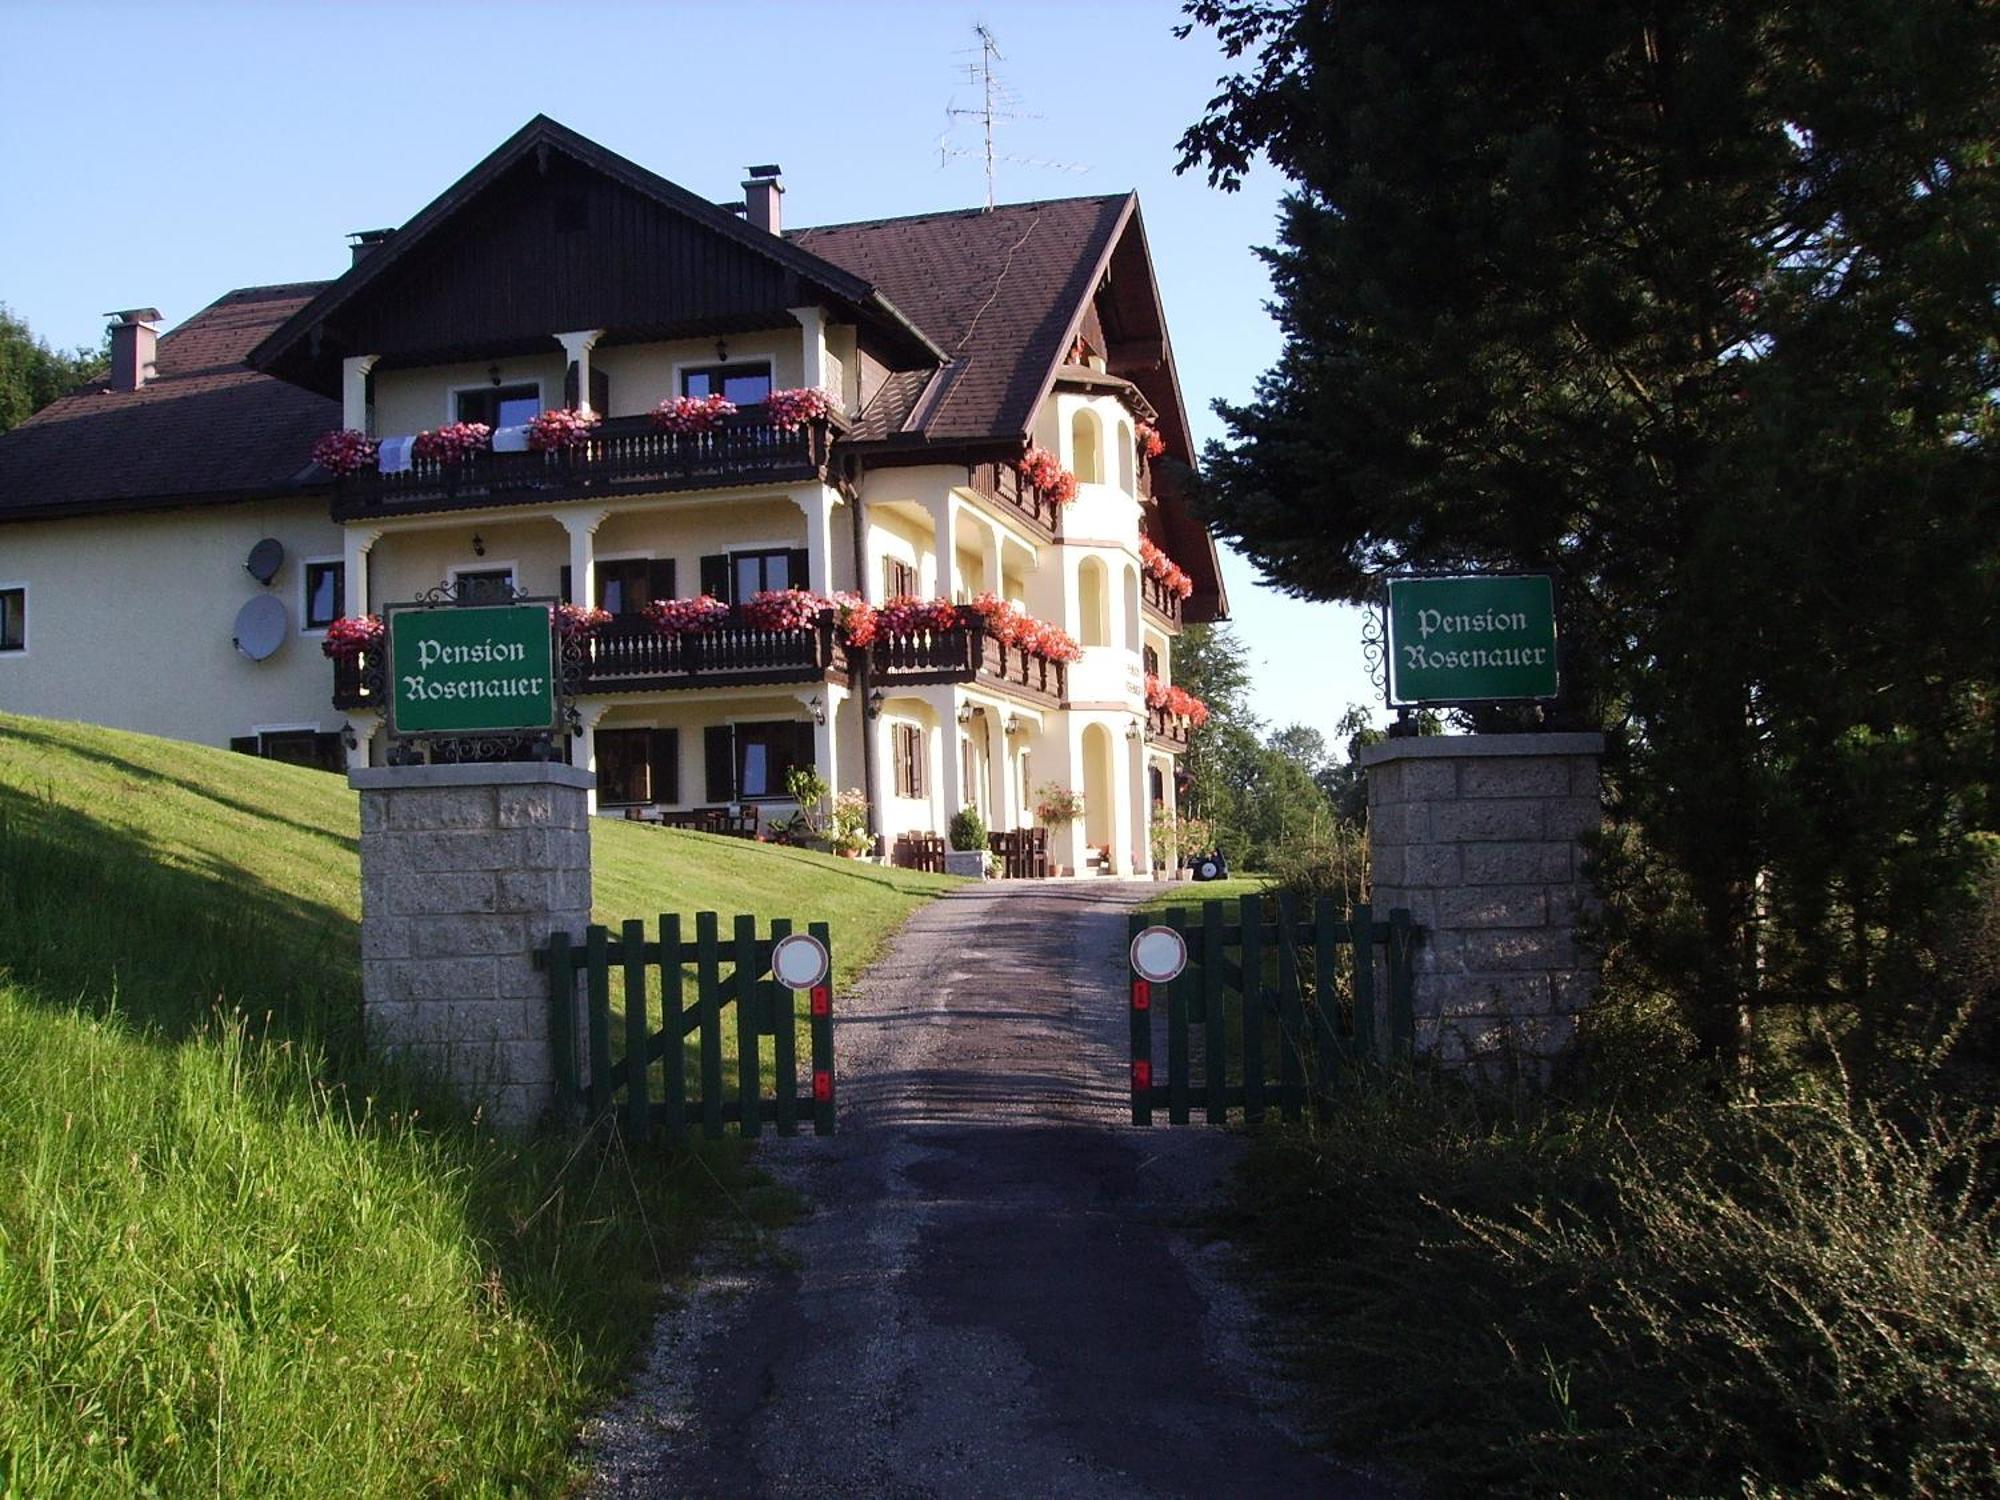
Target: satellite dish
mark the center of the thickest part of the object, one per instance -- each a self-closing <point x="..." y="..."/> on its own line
<point x="265" y="558"/>
<point x="261" y="625"/>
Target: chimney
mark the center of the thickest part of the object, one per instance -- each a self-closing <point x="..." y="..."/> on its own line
<point x="761" y="193"/>
<point x="133" y="342"/>
<point x="364" y="242"/>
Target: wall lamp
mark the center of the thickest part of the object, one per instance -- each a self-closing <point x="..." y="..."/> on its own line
<point x="1132" y="731"/>
<point x="875" y="701"/>
<point x="818" y="706"/>
<point x="478" y="545"/>
<point x="965" y="713"/>
<point x="1013" y="726"/>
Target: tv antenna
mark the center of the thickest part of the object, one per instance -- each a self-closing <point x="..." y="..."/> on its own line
<point x="997" y="102"/>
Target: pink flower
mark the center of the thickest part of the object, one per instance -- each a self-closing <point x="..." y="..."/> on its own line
<point x="579" y="622"/>
<point x="855" y="618"/>
<point x="453" y="441"/>
<point x="344" y="451"/>
<point x="557" y="430"/>
<point x="1151" y="444"/>
<point x="696" y="616"/>
<point x="791" y="410"/>
<point x="350" y="636"/>
<point x="784" y="609"/>
<point x="688" y="416"/>
<point x="1158" y="565"/>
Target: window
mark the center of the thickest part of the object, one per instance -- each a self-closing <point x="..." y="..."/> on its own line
<point x="483" y="585"/>
<point x="1152" y="661"/>
<point x="295" y="747"/>
<point x="1086" y="449"/>
<point x="909" y="740"/>
<point x="749" y="762"/>
<point x="14" y="619"/>
<point x="899" y="579"/>
<point x="627" y="585"/>
<point x="1125" y="458"/>
<point x="752" y="572"/>
<point x="637" y="766"/>
<point x="746" y="385"/>
<point x="501" y="405"/>
<point x="326" y="593"/>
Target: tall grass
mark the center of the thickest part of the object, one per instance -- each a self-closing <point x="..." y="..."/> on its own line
<point x="237" y="1257"/>
<point x="1666" y="1295"/>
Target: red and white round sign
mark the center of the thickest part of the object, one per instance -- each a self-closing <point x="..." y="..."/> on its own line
<point x="799" y="961"/>
<point x="1159" y="954"/>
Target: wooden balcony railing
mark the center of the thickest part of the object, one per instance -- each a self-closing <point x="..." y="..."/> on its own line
<point x="625" y="455"/>
<point x="1164" y="603"/>
<point x="965" y="653"/>
<point x="1002" y="484"/>
<point x="1166" y="731"/>
<point x="629" y="656"/>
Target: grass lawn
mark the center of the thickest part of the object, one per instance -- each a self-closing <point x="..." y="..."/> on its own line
<point x="1192" y="895"/>
<point x="237" y="1258"/>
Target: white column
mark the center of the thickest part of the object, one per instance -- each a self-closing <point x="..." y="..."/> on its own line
<point x="582" y="528"/>
<point x="362" y="723"/>
<point x="951" y="796"/>
<point x="354" y="390"/>
<point x="944" y="523"/>
<point x="998" y="764"/>
<point x="816" y="502"/>
<point x="586" y="747"/>
<point x="577" y="347"/>
<point x="1141" y="842"/>
<point x="356" y="543"/>
<point x="991" y="561"/>
<point x="813" y="364"/>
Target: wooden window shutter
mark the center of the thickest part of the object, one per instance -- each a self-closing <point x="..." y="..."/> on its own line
<point x="799" y="568"/>
<point x="664" y="751"/>
<point x="718" y="751"/>
<point x="715" y="576"/>
<point x="660" y="578"/>
<point x="920" y="781"/>
<point x="568" y="594"/>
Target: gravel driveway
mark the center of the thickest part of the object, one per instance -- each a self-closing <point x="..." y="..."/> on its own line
<point x="991" y="1295"/>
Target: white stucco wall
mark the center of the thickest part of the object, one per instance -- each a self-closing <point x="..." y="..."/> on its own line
<point x="130" y="621"/>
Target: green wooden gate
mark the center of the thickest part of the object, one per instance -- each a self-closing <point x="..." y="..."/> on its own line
<point x="1271" y="984"/>
<point x="668" y="1091"/>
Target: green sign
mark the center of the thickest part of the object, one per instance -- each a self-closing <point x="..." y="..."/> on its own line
<point x="471" y="669"/>
<point x="1477" y="639"/>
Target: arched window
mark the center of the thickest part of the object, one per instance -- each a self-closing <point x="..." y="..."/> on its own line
<point x="1131" y="607"/>
<point x="1093" y="600"/>
<point x="1126" y="480"/>
<point x="1086" y="449"/>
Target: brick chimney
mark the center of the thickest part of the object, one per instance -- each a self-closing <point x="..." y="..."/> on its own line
<point x="761" y="192"/>
<point x="133" y="342"/>
<point x="364" y="242"/>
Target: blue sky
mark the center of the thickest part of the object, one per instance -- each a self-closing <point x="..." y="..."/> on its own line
<point x="160" y="154"/>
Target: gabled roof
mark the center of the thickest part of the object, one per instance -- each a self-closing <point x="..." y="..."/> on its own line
<point x="206" y="428"/>
<point x="1000" y="290"/>
<point x="294" y="350"/>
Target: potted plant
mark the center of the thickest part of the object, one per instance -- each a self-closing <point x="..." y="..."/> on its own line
<point x="1056" y="807"/>
<point x="847" y="827"/>
<point x="967" y="836"/>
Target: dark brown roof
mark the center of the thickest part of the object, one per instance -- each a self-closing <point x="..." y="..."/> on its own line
<point x="208" y="427"/>
<point x="997" y="289"/>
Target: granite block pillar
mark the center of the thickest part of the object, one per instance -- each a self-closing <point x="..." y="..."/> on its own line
<point x="1480" y="837"/>
<point x="465" y="871"/>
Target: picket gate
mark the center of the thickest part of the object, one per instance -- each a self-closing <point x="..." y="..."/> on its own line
<point x="1298" y="994"/>
<point x="594" y="1061"/>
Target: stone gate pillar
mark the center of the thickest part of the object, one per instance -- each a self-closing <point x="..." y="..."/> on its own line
<point x="465" y="870"/>
<point x="1478" y="835"/>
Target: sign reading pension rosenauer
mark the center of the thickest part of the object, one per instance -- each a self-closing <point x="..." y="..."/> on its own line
<point x="1474" y="639"/>
<point x="471" y="669"/>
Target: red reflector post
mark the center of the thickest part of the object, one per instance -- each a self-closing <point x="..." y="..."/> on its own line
<point x="822" y="1085"/>
<point x="1142" y="1075"/>
<point x="1142" y="995"/>
<point x="822" y="1000"/>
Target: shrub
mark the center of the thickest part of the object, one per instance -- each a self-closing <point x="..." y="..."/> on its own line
<point x="968" y="829"/>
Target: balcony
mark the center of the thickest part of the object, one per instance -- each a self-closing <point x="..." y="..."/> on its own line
<point x="1166" y="731"/>
<point x="625" y="455"/>
<point x="966" y="654"/>
<point x="630" y="656"/>
<point x="1001" y="484"/>
<point x="1160" y="601"/>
